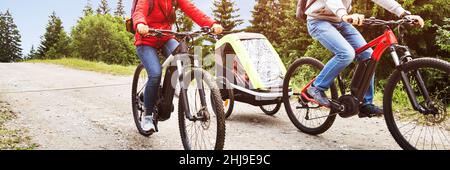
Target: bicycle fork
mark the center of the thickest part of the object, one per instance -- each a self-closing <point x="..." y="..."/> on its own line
<point x="405" y="79"/>
<point x="202" y="113"/>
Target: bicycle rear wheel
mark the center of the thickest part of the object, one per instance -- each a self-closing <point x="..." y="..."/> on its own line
<point x="306" y="116"/>
<point x="410" y="128"/>
<point x="208" y="132"/>
<point x="137" y="97"/>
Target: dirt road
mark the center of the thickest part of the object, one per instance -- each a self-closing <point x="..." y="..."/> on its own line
<point x="100" y="118"/>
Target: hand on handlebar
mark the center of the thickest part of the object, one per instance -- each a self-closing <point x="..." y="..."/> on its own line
<point x="416" y="19"/>
<point x="355" y="19"/>
<point x="143" y="29"/>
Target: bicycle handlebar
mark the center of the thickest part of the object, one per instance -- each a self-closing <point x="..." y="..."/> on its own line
<point x="377" y="22"/>
<point x="159" y="32"/>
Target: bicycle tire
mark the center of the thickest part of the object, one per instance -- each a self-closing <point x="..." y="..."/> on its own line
<point x="329" y="120"/>
<point x="218" y="111"/>
<point x="394" y="79"/>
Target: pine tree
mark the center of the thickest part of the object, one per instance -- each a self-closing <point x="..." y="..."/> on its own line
<point x="103" y="9"/>
<point x="267" y="17"/>
<point x="120" y="12"/>
<point x="61" y="48"/>
<point x="88" y="10"/>
<point x="32" y="54"/>
<point x="3" y="35"/>
<point x="51" y="37"/>
<point x="10" y="49"/>
<point x="224" y="12"/>
<point x="294" y="38"/>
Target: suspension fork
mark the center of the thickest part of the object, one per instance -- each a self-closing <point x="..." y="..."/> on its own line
<point x="181" y="54"/>
<point x="405" y="80"/>
<point x="408" y="57"/>
<point x="199" y="80"/>
<point x="183" y="60"/>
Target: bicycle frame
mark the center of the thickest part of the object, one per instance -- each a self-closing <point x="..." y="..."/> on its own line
<point x="366" y="70"/>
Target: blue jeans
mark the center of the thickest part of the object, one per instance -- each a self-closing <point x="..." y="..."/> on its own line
<point x="150" y="59"/>
<point x="342" y="39"/>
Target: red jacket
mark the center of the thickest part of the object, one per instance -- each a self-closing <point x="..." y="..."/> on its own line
<point x="157" y="20"/>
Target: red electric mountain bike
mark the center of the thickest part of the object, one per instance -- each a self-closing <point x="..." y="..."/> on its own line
<point x="416" y="98"/>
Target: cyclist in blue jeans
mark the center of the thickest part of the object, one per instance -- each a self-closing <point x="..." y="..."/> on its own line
<point x="161" y="16"/>
<point x="328" y="22"/>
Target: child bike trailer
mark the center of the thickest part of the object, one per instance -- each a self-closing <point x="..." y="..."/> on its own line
<point x="249" y="70"/>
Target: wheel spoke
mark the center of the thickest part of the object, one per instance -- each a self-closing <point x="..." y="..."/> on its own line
<point x="202" y="133"/>
<point x="426" y="130"/>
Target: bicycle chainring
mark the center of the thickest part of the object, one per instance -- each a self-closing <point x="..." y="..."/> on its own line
<point x="351" y="106"/>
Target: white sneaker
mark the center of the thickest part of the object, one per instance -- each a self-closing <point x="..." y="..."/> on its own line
<point x="147" y="124"/>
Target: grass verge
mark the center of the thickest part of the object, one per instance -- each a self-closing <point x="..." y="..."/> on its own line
<point x="89" y="66"/>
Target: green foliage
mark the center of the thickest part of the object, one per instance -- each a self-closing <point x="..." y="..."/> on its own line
<point x="443" y="36"/>
<point x="276" y="20"/>
<point x="61" y="48"/>
<point x="103" y="38"/>
<point x="267" y="16"/>
<point x="316" y="50"/>
<point x="293" y="34"/>
<point x="225" y="12"/>
<point x="10" y="49"/>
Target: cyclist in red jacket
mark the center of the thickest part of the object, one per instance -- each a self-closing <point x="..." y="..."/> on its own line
<point x="162" y="16"/>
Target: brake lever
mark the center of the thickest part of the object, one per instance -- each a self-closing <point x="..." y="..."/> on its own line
<point x="410" y="22"/>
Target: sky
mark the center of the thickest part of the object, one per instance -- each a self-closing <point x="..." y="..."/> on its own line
<point x="31" y="16"/>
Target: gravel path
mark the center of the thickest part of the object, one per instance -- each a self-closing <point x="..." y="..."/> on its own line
<point x="100" y="118"/>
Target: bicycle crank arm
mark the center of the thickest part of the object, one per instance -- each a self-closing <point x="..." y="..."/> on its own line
<point x="335" y="105"/>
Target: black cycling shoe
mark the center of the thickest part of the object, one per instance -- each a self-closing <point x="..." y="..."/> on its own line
<point x="370" y="110"/>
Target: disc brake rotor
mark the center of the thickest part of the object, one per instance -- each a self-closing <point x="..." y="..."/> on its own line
<point x="441" y="115"/>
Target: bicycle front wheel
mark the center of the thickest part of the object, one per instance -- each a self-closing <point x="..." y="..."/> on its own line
<point x="206" y="131"/>
<point x="412" y="129"/>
